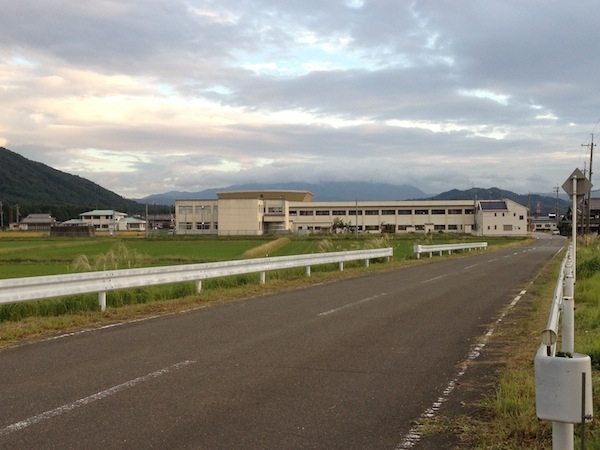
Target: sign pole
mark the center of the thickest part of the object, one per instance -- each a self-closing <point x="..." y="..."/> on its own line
<point x="574" y="225"/>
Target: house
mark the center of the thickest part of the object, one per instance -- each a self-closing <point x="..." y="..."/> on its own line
<point x="37" y="222"/>
<point x="131" y="224"/>
<point x="107" y="220"/>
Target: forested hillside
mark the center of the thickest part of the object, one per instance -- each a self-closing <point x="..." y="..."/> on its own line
<point x="38" y="188"/>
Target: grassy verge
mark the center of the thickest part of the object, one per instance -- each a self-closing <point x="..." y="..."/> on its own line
<point x="501" y="412"/>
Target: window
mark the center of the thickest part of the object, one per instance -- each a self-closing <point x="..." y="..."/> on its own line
<point x="402" y="227"/>
<point x="203" y="226"/>
<point x="185" y="225"/>
<point x="275" y="210"/>
<point x="371" y="212"/>
<point x="508" y="227"/>
<point x="452" y="227"/>
<point x="339" y="212"/>
<point x="354" y="212"/>
<point x="185" y="210"/>
<point x="420" y="227"/>
<point x="469" y="211"/>
<point x="404" y="212"/>
<point x="202" y="209"/>
<point x="421" y="212"/>
<point x="372" y="227"/>
<point x="438" y="211"/>
<point x="455" y="211"/>
<point x="293" y="212"/>
<point x="323" y="213"/>
<point x="388" y="212"/>
<point x="521" y="218"/>
<point x="439" y="227"/>
<point x="307" y="213"/>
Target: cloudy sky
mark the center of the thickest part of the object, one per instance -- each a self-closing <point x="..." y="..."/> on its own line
<point x="149" y="96"/>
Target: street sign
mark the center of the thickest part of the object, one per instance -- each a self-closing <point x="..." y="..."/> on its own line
<point x="583" y="184"/>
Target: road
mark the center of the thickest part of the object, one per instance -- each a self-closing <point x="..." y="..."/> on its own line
<point x="340" y="365"/>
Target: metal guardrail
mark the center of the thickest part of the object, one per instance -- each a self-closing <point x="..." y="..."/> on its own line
<point x="563" y="382"/>
<point x="418" y="249"/>
<point x="15" y="290"/>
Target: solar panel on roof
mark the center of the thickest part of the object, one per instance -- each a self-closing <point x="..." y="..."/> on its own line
<point x="493" y="205"/>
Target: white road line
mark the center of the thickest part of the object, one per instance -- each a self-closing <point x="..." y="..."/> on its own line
<point x="492" y="260"/>
<point x="350" y="305"/>
<point x="435" y="278"/>
<point x="92" y="398"/>
<point x="471" y="266"/>
<point x="414" y="434"/>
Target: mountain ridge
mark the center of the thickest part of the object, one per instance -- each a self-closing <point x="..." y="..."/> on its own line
<point x="38" y="188"/>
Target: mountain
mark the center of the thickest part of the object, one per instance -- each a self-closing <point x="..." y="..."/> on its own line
<point x="38" y="188"/>
<point x="331" y="191"/>
<point x="538" y="204"/>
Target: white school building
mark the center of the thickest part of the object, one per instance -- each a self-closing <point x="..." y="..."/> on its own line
<point x="255" y="213"/>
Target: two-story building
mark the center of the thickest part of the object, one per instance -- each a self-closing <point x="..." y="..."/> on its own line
<point x="108" y="220"/>
<point x="266" y="212"/>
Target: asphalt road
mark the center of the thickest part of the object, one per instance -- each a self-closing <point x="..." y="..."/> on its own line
<point x="341" y="365"/>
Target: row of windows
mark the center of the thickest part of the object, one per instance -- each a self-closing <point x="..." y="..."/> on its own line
<point x="376" y="212"/>
<point x="400" y="228"/>
<point x="188" y="209"/>
<point x="198" y="226"/>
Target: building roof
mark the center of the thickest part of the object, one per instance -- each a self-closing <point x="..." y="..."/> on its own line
<point x="487" y="205"/>
<point x="132" y="220"/>
<point x="292" y="196"/>
<point x="595" y="204"/>
<point x="103" y="212"/>
<point x="38" y="218"/>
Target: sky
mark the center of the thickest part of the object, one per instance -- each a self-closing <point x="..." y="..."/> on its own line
<point x="150" y="96"/>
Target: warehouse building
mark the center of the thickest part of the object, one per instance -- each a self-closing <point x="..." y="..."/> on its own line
<point x="255" y="213"/>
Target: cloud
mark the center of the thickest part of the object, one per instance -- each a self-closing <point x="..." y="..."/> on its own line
<point x="148" y="97"/>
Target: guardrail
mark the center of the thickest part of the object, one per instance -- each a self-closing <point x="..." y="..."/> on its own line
<point x="418" y="249"/>
<point x="563" y="380"/>
<point x="15" y="290"/>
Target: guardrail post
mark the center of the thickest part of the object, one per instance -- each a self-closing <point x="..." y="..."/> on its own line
<point x="341" y="266"/>
<point x="102" y="300"/>
<point x="367" y="262"/>
<point x="308" y="271"/>
<point x="198" y="286"/>
<point x="569" y="280"/>
<point x="262" y="277"/>
<point x="568" y="325"/>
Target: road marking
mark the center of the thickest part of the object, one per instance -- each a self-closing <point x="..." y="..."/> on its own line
<point x="492" y="260"/>
<point x="471" y="266"/>
<point x="350" y="305"/>
<point x="92" y="398"/>
<point x="414" y="434"/>
<point x="435" y="278"/>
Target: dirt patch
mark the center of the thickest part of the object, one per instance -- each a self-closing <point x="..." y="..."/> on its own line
<point x="265" y="249"/>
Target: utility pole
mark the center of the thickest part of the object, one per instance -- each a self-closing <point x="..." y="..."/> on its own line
<point x="556" y="206"/>
<point x="589" y="194"/>
<point x="1" y="216"/>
